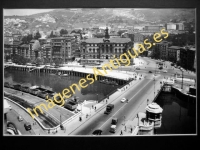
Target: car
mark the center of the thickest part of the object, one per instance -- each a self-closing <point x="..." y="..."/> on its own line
<point x="160" y="68"/>
<point x="150" y="71"/>
<point x="123" y="100"/>
<point x="20" y="118"/>
<point x="137" y="68"/>
<point x="165" y="71"/>
<point x="83" y="66"/>
<point x="27" y="126"/>
<point x="97" y="132"/>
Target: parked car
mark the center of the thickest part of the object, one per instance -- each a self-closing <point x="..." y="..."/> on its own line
<point x="137" y="68"/>
<point x="123" y="100"/>
<point x="83" y="66"/>
<point x="20" y="118"/>
<point x="160" y="68"/>
<point x="97" y="132"/>
<point x="27" y="126"/>
<point x="150" y="71"/>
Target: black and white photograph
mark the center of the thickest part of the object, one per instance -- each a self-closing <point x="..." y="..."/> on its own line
<point x="99" y="72"/>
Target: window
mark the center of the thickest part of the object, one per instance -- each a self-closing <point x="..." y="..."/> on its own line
<point x="93" y="50"/>
<point x="93" y="56"/>
<point x="115" y="50"/>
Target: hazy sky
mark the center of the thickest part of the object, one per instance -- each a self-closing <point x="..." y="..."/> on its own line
<point x="22" y="12"/>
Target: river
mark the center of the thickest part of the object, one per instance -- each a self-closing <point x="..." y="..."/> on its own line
<point x="94" y="91"/>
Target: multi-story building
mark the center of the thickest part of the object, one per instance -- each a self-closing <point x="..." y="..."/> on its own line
<point x="24" y="51"/>
<point x="180" y="26"/>
<point x="171" y="26"/>
<point x="64" y="48"/>
<point x="46" y="50"/>
<point x="162" y="47"/>
<point x="187" y="57"/>
<point x="154" y="28"/>
<point x="172" y="53"/>
<point x="94" y="49"/>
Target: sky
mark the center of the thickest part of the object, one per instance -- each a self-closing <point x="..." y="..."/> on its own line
<point x="22" y="12"/>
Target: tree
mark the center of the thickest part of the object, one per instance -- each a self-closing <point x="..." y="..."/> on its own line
<point x="29" y="37"/>
<point x="57" y="62"/>
<point x="63" y="31"/>
<point x="52" y="35"/>
<point x="36" y="45"/>
<point x="37" y="35"/>
<point x="25" y="39"/>
<point x="38" y="61"/>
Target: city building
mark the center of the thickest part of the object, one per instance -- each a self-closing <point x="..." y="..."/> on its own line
<point x="171" y="26"/>
<point x="172" y="53"/>
<point x="187" y="57"/>
<point x="180" y="26"/>
<point x="154" y="28"/>
<point x="94" y="49"/>
<point x="64" y="48"/>
<point x="46" y="50"/>
<point x="162" y="49"/>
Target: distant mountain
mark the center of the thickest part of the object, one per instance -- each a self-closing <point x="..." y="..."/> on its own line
<point x="75" y="18"/>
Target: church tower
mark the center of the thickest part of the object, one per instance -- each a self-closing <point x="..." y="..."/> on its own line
<point x="107" y="36"/>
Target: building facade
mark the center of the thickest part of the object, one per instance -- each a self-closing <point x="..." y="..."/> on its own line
<point x="172" y="53"/>
<point x="162" y="47"/>
<point x="187" y="57"/>
<point x="96" y="49"/>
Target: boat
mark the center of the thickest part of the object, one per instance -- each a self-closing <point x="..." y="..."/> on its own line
<point x="33" y="90"/>
<point x="106" y="81"/>
<point x="64" y="75"/>
<point x="25" y="88"/>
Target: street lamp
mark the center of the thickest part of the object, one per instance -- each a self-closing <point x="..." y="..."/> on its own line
<point x="182" y="77"/>
<point x="154" y="87"/>
<point x="97" y="97"/>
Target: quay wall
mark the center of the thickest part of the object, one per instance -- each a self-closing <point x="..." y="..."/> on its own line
<point x="68" y="71"/>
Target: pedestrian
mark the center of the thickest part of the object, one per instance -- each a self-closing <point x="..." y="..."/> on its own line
<point x="124" y="128"/>
<point x="92" y="106"/>
<point x="121" y="133"/>
<point x="95" y="108"/>
<point x="131" y="129"/>
<point x="80" y="119"/>
<point x="106" y="101"/>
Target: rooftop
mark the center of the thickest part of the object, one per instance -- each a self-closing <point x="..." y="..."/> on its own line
<point x="112" y="40"/>
<point x="174" y="47"/>
<point x="154" y="108"/>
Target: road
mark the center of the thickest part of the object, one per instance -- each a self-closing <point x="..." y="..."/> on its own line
<point x="103" y="121"/>
<point x="125" y="111"/>
<point x="12" y="117"/>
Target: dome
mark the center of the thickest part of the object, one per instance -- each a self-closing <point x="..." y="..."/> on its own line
<point x="154" y="108"/>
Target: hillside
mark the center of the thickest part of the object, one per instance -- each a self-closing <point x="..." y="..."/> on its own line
<point x="75" y="18"/>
